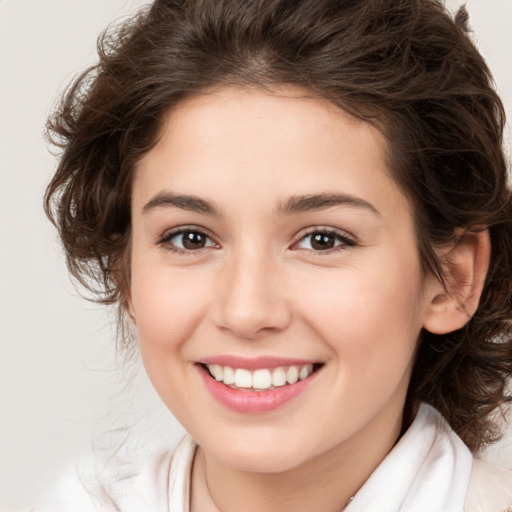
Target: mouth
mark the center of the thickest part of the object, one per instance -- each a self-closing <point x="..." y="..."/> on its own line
<point x="258" y="385"/>
<point x="260" y="379"/>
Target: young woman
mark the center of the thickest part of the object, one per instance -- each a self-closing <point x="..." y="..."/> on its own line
<point x="303" y="209"/>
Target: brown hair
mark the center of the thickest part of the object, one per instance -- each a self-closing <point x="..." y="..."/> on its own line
<point x="405" y="67"/>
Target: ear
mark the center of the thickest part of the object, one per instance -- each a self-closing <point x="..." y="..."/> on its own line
<point x="465" y="267"/>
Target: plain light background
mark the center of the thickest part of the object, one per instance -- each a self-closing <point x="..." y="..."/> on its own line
<point x="61" y="387"/>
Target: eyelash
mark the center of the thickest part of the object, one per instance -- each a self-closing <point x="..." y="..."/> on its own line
<point x="166" y="238"/>
<point x="342" y="240"/>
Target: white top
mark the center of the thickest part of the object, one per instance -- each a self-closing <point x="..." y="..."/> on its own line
<point x="428" y="470"/>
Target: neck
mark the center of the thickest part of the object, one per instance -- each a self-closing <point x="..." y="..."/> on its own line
<point x="325" y="483"/>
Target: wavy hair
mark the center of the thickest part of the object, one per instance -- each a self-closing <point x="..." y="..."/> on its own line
<point x="404" y="66"/>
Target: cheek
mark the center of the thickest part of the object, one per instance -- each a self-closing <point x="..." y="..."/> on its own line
<point x="369" y="315"/>
<point x="167" y="312"/>
<point x="371" y="328"/>
<point x="166" y="305"/>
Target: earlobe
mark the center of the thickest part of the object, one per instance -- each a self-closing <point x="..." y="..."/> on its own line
<point x="465" y="266"/>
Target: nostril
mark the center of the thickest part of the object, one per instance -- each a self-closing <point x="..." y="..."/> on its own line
<point x="249" y="323"/>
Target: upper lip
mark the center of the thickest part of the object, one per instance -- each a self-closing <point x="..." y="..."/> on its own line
<point x="255" y="363"/>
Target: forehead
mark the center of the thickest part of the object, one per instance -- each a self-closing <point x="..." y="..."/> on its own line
<point x="282" y="141"/>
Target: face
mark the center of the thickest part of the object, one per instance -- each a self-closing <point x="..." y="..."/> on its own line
<point x="275" y="282"/>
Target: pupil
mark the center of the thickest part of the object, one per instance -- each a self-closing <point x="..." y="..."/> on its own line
<point x="193" y="240"/>
<point x="322" y="241"/>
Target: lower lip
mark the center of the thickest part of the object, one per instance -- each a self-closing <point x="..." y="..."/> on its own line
<point x="253" y="401"/>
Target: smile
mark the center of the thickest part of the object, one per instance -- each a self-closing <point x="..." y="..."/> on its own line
<point x="261" y="379"/>
<point x="257" y="386"/>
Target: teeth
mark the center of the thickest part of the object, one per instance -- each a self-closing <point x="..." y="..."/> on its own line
<point x="260" y="379"/>
<point x="279" y="377"/>
<point x="243" y="378"/>
<point x="217" y="372"/>
<point x="292" y="375"/>
<point x="229" y="375"/>
<point x="305" y="371"/>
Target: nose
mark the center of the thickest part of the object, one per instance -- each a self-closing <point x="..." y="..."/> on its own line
<point x="251" y="299"/>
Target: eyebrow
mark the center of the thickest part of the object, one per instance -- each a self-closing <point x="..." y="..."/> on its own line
<point x="294" y="204"/>
<point x="298" y="204"/>
<point x="184" y="202"/>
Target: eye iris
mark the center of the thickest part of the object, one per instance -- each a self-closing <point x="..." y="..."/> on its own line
<point x="193" y="240"/>
<point x="322" y="241"/>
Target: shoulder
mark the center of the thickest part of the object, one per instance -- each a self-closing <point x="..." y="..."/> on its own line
<point x="490" y="488"/>
<point x="140" y="484"/>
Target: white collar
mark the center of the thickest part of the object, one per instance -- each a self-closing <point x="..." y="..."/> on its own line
<point x="427" y="470"/>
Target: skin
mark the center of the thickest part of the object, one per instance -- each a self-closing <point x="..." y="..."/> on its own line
<point x="258" y="288"/>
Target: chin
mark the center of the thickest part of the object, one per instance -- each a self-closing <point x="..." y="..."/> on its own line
<point x="259" y="453"/>
<point x="277" y="462"/>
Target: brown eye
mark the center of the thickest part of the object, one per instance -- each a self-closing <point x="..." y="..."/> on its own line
<point x="193" y="240"/>
<point x="187" y="240"/>
<point x="323" y="241"/>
